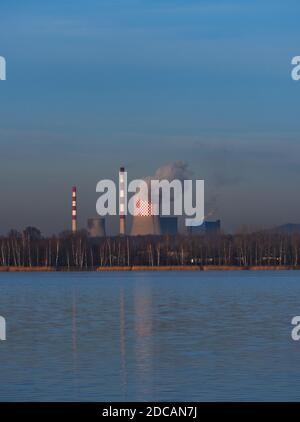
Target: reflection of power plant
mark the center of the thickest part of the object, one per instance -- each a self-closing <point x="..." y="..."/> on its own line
<point x="123" y="341"/>
<point x="135" y="319"/>
<point x="96" y="227"/>
<point x="143" y="330"/>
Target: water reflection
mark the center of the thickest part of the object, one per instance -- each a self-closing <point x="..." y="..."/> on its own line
<point x="143" y="336"/>
<point x="123" y="343"/>
<point x="141" y="316"/>
<point x="74" y="331"/>
<point x="176" y="336"/>
<point x="75" y="346"/>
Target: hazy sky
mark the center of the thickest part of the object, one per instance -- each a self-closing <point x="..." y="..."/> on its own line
<point x="96" y="84"/>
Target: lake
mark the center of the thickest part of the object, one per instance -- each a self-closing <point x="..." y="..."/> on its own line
<point x="150" y="336"/>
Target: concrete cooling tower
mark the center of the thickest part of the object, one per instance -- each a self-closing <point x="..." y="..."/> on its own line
<point x="145" y="225"/>
<point x="144" y="222"/>
<point x="96" y="227"/>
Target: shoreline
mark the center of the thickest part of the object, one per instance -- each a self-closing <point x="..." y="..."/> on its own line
<point x="154" y="268"/>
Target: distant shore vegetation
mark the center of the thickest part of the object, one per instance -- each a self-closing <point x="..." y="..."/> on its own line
<point x="29" y="249"/>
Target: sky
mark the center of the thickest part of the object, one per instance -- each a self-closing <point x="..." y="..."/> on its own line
<point x="92" y="85"/>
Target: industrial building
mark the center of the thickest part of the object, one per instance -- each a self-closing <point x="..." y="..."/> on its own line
<point x="207" y="228"/>
<point x="144" y="222"/>
<point x="145" y="225"/>
<point x="168" y="225"/>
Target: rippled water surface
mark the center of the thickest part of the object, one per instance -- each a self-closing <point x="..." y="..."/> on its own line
<point x="150" y="336"/>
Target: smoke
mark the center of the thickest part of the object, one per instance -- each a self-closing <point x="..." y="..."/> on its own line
<point x="177" y="170"/>
<point x="180" y="170"/>
<point x="211" y="205"/>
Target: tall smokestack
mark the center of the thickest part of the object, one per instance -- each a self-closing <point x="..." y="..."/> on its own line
<point x="122" y="200"/>
<point x="74" y="210"/>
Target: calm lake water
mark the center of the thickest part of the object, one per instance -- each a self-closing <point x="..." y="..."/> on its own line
<point x="150" y="336"/>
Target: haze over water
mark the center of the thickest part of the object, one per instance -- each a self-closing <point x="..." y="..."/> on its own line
<point x="163" y="336"/>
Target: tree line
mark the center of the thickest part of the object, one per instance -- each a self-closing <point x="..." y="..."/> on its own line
<point x="30" y="249"/>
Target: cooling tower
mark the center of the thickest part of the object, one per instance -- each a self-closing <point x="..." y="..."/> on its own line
<point x="96" y="227"/>
<point x="144" y="222"/>
<point x="143" y="225"/>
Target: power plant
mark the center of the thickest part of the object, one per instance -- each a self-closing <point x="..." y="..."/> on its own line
<point x="74" y="209"/>
<point x="96" y="227"/>
<point x="145" y="220"/>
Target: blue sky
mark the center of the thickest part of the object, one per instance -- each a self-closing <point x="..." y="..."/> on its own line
<point x="96" y="84"/>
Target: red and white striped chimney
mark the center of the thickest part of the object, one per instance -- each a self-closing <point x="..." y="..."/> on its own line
<point x="122" y="200"/>
<point x="74" y="210"/>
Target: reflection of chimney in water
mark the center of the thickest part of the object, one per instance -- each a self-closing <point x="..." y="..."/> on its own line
<point x="143" y="307"/>
<point x="123" y="342"/>
<point x="74" y="331"/>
